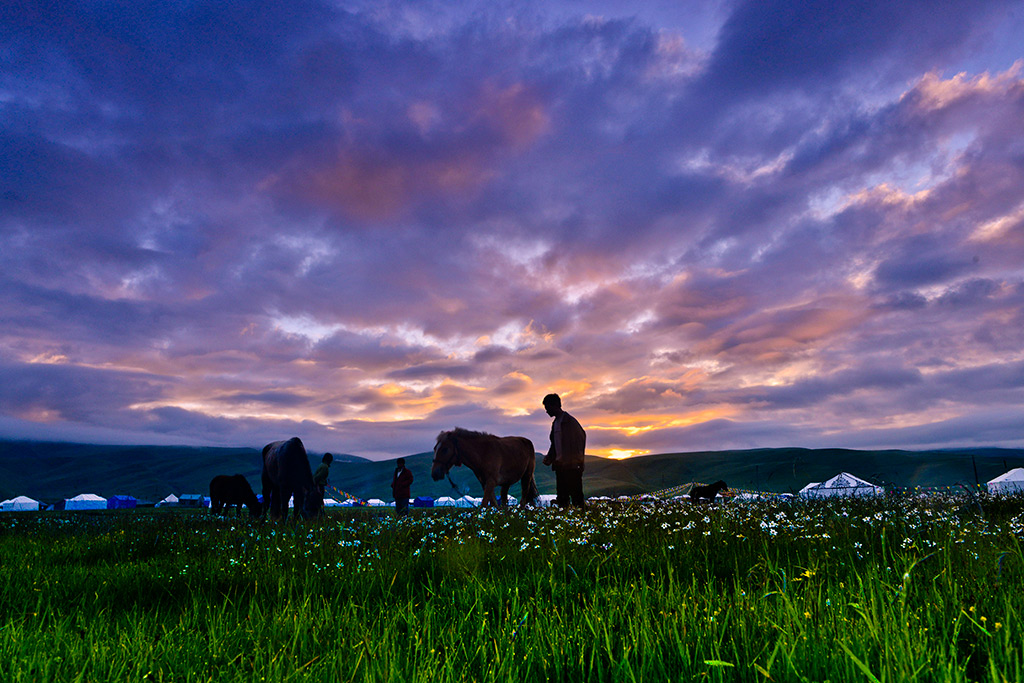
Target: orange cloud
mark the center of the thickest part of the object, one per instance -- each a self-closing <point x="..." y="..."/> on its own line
<point x="372" y="188"/>
<point x="515" y="112"/>
<point x="935" y="93"/>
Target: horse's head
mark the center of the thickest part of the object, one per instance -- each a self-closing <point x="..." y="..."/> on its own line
<point x="720" y="485"/>
<point x="312" y="504"/>
<point x="446" y="455"/>
<point x="256" y="508"/>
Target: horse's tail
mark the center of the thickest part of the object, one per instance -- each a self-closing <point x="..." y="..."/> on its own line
<point x="530" y="492"/>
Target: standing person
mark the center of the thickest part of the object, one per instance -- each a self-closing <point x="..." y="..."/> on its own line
<point x="320" y="476"/>
<point x="400" y="484"/>
<point x="568" y="445"/>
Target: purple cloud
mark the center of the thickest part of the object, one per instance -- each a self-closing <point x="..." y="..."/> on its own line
<point x="706" y="226"/>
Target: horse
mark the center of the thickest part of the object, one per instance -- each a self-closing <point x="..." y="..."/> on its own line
<point x="707" y="493"/>
<point x="286" y="473"/>
<point x="495" y="460"/>
<point x="233" y="491"/>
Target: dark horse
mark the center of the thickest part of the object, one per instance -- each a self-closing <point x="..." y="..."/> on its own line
<point x="495" y="460"/>
<point x="233" y="491"/>
<point x="707" y="493"/>
<point x="286" y="473"/>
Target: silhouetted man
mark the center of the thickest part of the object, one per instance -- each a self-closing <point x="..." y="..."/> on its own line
<point x="400" y="484"/>
<point x="568" y="444"/>
<point x="320" y="476"/>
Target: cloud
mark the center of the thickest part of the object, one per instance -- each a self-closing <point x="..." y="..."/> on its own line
<point x="705" y="225"/>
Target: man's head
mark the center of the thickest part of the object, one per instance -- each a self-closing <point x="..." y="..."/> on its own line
<point x="400" y="463"/>
<point x="553" y="405"/>
<point x="327" y="459"/>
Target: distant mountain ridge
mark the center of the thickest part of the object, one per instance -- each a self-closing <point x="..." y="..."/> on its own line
<point x="52" y="471"/>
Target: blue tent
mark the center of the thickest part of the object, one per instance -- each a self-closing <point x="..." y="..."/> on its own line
<point x="121" y="502"/>
<point x="423" y="502"/>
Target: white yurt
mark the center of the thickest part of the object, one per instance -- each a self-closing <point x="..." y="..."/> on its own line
<point x="168" y="501"/>
<point x="1009" y="482"/>
<point x="85" y="501"/>
<point x="545" y="500"/>
<point x="843" y="484"/>
<point x="376" y="503"/>
<point x="19" y="504"/>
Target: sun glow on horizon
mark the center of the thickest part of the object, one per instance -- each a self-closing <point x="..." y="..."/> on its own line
<point x="620" y="453"/>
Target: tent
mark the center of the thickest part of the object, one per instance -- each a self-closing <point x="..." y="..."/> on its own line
<point x="376" y="502"/>
<point x="121" y="502"/>
<point x="331" y="503"/>
<point x="170" y="500"/>
<point x="1010" y="482"/>
<point x="19" y="504"/>
<point x="85" y="501"/>
<point x="843" y="484"/>
<point x="423" y="502"/>
<point x="545" y="500"/>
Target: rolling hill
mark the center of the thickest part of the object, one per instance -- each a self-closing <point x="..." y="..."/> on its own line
<point x="52" y="471"/>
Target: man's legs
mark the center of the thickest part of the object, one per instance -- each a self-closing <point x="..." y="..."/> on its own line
<point x="575" y="482"/>
<point x="561" y="488"/>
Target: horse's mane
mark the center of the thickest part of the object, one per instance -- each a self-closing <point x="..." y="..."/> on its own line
<point x="466" y="434"/>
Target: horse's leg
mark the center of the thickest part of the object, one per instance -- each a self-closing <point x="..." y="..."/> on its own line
<point x="290" y="494"/>
<point x="268" y="497"/>
<point x="504" y="495"/>
<point x="281" y="496"/>
<point x="489" y="498"/>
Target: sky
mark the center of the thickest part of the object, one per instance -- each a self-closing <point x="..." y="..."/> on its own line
<point x="707" y="225"/>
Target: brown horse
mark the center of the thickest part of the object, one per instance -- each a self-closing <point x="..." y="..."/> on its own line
<point x="495" y="460"/>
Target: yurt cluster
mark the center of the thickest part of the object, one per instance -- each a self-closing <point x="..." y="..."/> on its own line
<point x="843" y="484"/>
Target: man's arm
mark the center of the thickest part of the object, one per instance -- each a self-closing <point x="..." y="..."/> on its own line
<point x="549" y="459"/>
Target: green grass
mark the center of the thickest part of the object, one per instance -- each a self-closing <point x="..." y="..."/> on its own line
<point x="925" y="589"/>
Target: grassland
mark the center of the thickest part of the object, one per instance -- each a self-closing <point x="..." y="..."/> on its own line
<point x="889" y="590"/>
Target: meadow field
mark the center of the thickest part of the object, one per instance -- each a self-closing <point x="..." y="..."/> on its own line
<point x="913" y="589"/>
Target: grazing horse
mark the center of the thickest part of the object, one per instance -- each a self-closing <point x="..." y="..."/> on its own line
<point x="495" y="460"/>
<point x="707" y="493"/>
<point x="233" y="491"/>
<point x="286" y="473"/>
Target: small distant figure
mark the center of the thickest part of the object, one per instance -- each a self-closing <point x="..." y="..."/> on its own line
<point x="400" y="484"/>
<point x="566" y="455"/>
<point x="706" y="494"/>
<point x="320" y="477"/>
